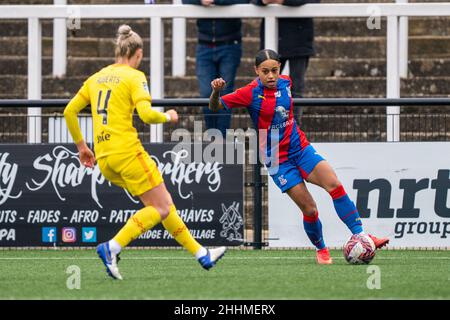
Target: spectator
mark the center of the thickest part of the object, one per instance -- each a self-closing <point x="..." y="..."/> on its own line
<point x="218" y="54"/>
<point x="295" y="43"/>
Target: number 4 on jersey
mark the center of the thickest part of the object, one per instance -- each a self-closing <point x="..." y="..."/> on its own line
<point x="103" y="111"/>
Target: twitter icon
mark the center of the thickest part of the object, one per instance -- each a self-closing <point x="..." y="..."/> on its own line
<point x="89" y="234"/>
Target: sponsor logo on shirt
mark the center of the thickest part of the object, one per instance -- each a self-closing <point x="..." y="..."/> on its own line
<point x="103" y="137"/>
<point x="282" y="125"/>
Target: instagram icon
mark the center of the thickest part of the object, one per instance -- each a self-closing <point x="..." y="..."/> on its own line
<point x="69" y="235"/>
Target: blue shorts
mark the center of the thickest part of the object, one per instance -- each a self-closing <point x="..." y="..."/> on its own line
<point x="295" y="169"/>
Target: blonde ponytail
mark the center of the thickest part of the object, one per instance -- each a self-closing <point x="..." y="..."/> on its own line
<point x="127" y="42"/>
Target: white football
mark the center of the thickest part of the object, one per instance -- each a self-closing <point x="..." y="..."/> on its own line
<point x="359" y="249"/>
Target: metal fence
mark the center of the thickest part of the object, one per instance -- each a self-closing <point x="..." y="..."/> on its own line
<point x="323" y="120"/>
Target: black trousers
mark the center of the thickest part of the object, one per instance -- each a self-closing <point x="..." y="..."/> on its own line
<point x="297" y="71"/>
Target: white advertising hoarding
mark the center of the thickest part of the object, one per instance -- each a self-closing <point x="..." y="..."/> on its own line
<point x="401" y="191"/>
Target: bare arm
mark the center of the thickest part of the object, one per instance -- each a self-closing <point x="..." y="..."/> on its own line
<point x="217" y="85"/>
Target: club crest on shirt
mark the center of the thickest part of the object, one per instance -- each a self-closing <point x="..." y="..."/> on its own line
<point x="282" y="112"/>
<point x="282" y="180"/>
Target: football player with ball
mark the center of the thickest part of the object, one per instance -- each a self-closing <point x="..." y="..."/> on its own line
<point x="289" y="157"/>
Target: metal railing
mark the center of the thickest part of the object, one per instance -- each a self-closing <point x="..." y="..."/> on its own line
<point x="393" y="12"/>
<point x="323" y="120"/>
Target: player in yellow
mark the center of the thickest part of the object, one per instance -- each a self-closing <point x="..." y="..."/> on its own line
<point x="114" y="93"/>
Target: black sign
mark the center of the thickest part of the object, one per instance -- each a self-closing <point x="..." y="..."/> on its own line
<point x="47" y="198"/>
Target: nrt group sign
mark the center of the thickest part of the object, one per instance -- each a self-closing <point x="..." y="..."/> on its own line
<point x="47" y="198"/>
<point x="401" y="190"/>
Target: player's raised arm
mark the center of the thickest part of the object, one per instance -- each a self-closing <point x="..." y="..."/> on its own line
<point x="78" y="103"/>
<point x="217" y="85"/>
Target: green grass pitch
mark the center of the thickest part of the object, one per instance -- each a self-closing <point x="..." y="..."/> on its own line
<point x="241" y="274"/>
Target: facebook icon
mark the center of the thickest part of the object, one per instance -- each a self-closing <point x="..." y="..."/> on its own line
<point x="49" y="234"/>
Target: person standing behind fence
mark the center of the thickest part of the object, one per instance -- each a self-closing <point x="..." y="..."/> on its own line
<point x="289" y="157"/>
<point x="295" y="43"/>
<point x="114" y="93"/>
<point x="218" y="54"/>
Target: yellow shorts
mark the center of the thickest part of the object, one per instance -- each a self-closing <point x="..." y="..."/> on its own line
<point x="136" y="172"/>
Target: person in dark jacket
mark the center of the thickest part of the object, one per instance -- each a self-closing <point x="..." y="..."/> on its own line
<point x="295" y="43"/>
<point x="218" y="54"/>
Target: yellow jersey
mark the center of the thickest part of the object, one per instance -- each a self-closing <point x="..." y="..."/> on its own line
<point x="113" y="93"/>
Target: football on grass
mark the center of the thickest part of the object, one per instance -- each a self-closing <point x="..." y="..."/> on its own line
<point x="359" y="249"/>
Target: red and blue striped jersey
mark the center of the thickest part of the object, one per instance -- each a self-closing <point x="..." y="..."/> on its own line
<point x="272" y="112"/>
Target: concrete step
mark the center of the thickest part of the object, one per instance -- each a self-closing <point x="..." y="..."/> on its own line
<point x="5" y="2"/>
<point x="326" y="47"/>
<point x="114" y="1"/>
<point x="99" y="47"/>
<point x="357" y="27"/>
<point x="375" y="1"/>
<point x="319" y="67"/>
<point x="169" y="1"/>
<point x="81" y="1"/>
<point x="14" y="2"/>
<point x="374" y="47"/>
<point x="327" y="27"/>
<point x="16" y="86"/>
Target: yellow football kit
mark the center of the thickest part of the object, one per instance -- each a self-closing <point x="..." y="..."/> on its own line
<point x="114" y="93"/>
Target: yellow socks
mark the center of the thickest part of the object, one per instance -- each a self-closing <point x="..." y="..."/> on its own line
<point x="176" y="227"/>
<point x="149" y="217"/>
<point x="140" y="222"/>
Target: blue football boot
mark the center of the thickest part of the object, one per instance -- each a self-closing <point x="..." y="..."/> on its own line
<point x="209" y="260"/>
<point x="110" y="260"/>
